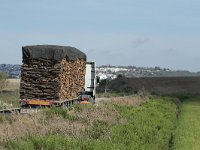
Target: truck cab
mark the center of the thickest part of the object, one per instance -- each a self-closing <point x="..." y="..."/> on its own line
<point x="90" y="79"/>
<point x="88" y="95"/>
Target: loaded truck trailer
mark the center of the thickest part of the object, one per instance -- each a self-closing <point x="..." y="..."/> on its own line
<point x="56" y="75"/>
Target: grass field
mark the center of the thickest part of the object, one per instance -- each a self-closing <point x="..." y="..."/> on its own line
<point x="12" y="85"/>
<point x="118" y="124"/>
<point x="9" y="96"/>
<point x="131" y="122"/>
<point x="9" y="100"/>
<point x="187" y="133"/>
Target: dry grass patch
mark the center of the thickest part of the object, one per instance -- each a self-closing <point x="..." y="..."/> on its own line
<point x="18" y="126"/>
<point x="72" y="124"/>
<point x="78" y="122"/>
<point x="130" y="100"/>
<point x="12" y="85"/>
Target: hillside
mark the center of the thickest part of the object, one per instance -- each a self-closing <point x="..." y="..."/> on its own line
<point x="13" y="70"/>
<point x="111" y="72"/>
<point x="170" y="86"/>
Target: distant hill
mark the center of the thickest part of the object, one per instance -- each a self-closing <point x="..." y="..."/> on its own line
<point x="107" y="71"/>
<point x="12" y="70"/>
<point x="167" y="86"/>
<point x="132" y="71"/>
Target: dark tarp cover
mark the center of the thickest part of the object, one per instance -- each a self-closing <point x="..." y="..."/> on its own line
<point x="52" y="52"/>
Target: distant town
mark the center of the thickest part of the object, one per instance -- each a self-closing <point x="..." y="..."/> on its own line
<point x="112" y="72"/>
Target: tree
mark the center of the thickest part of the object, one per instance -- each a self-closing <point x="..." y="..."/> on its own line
<point x="3" y="80"/>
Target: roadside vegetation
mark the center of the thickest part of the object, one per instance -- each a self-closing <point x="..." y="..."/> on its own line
<point x="121" y="123"/>
<point x="187" y="132"/>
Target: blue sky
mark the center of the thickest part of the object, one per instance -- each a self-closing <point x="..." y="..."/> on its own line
<point x="147" y="33"/>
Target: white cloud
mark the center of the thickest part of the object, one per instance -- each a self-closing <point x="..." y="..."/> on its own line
<point x="139" y="42"/>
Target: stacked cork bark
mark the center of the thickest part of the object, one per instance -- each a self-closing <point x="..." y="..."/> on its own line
<point x="52" y="72"/>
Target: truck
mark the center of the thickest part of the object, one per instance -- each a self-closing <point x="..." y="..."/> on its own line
<point x="85" y="96"/>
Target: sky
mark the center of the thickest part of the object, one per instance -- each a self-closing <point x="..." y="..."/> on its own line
<point x="144" y="33"/>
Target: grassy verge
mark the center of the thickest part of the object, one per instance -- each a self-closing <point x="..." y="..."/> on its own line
<point x="187" y="131"/>
<point x="114" y="125"/>
<point x="149" y="126"/>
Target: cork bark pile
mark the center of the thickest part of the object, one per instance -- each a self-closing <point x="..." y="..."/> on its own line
<point x="46" y="78"/>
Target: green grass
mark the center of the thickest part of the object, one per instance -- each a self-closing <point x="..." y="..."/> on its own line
<point x="187" y="133"/>
<point x="148" y="126"/>
<point x="55" y="111"/>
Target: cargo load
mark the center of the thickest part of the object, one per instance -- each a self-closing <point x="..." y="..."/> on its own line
<point x="51" y="72"/>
